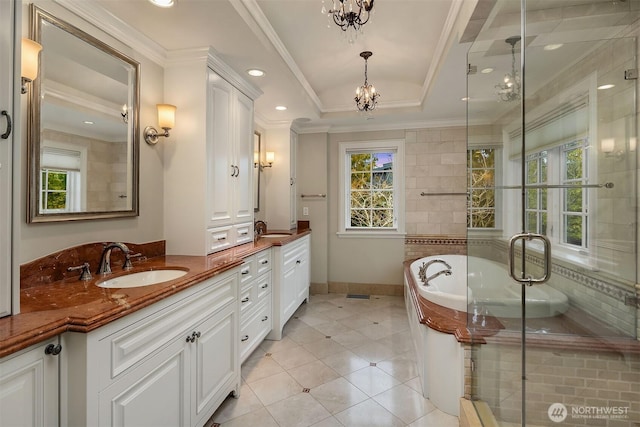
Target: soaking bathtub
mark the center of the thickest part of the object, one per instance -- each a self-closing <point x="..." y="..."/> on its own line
<point x="478" y="285"/>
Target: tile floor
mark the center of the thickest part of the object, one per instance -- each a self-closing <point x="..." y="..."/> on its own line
<point x="342" y="362"/>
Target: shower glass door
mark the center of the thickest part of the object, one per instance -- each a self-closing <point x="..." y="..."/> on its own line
<point x="553" y="213"/>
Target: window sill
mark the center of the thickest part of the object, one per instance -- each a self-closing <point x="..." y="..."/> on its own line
<point x="371" y="234"/>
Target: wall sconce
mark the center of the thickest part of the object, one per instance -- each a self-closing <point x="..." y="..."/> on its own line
<point x="29" y="62"/>
<point x="125" y="114"/>
<point x="608" y="145"/>
<point x="270" y="157"/>
<point x="166" y="120"/>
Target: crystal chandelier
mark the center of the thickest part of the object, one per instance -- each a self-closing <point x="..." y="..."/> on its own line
<point x="509" y="89"/>
<point x="366" y="95"/>
<point x="349" y="13"/>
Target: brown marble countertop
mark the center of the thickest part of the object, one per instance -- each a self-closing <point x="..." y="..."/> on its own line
<point x="50" y="308"/>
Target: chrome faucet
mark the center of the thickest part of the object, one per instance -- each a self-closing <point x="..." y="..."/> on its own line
<point x="259" y="228"/>
<point x="105" y="260"/>
<point x="422" y="272"/>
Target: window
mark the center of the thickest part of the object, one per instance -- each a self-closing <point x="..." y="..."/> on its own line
<point x="53" y="189"/>
<point x="62" y="169"/>
<point x="372" y="184"/>
<point x="481" y="176"/>
<point x="563" y="209"/>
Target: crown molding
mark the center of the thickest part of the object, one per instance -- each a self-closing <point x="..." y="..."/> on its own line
<point x="115" y="27"/>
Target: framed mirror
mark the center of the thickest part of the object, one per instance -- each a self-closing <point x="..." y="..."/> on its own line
<point x="256" y="171"/>
<point x="83" y="131"/>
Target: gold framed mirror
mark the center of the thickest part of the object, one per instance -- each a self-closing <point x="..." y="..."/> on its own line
<point x="83" y="126"/>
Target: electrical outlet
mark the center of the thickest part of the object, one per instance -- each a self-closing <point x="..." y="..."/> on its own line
<point x="305" y="211"/>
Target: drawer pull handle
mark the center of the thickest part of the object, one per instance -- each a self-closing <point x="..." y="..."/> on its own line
<point x="53" y="349"/>
<point x="244" y="338"/>
<point x="298" y="262"/>
<point x="265" y="286"/>
<point x="245" y="299"/>
<point x="193" y="337"/>
<point x="265" y="261"/>
<point x="265" y="318"/>
<point x="222" y="238"/>
<point x="244" y="233"/>
<point x="245" y="272"/>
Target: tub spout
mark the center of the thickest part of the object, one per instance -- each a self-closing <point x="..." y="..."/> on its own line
<point x="446" y="272"/>
<point x="422" y="272"/>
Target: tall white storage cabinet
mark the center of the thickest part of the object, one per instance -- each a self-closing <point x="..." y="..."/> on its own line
<point x="208" y="158"/>
<point x="7" y="41"/>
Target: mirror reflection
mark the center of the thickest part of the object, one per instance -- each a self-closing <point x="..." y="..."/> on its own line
<point x="84" y="126"/>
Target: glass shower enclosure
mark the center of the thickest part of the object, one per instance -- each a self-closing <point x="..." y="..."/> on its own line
<point x="553" y="212"/>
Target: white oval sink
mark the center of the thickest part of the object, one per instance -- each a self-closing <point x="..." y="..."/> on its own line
<point x="276" y="235"/>
<point x="142" y="278"/>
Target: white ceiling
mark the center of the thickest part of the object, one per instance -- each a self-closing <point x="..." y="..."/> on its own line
<point x="417" y="66"/>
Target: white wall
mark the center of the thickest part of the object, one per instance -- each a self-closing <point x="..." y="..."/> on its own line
<point x="36" y="240"/>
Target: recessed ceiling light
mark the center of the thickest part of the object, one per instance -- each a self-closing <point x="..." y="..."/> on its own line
<point x="486" y="70"/>
<point x="607" y="86"/>
<point x="281" y="108"/>
<point x="163" y="3"/>
<point x="88" y="122"/>
<point x="553" y="46"/>
<point x="255" y="72"/>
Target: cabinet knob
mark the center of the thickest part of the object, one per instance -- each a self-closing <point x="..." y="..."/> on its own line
<point x="265" y="286"/>
<point x="244" y="338"/>
<point x="245" y="299"/>
<point x="194" y="336"/>
<point x="53" y="349"/>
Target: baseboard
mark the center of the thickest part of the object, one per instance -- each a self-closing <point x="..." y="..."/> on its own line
<point x="365" y="289"/>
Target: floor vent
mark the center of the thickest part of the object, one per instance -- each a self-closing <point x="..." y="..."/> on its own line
<point x="357" y="296"/>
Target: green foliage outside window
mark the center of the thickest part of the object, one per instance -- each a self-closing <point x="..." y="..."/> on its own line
<point x="481" y="212"/>
<point x="574" y="198"/>
<point x="371" y="193"/>
<point x="54" y="189"/>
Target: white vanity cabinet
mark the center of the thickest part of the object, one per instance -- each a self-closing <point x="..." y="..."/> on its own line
<point x="291" y="281"/>
<point x="170" y="364"/>
<point x="255" y="302"/>
<point x="209" y="155"/>
<point x="29" y="386"/>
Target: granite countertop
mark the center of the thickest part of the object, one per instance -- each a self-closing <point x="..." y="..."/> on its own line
<point x="68" y="304"/>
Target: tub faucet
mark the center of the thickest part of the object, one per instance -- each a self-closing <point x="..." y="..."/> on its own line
<point x="446" y="272"/>
<point x="422" y="272"/>
<point x="105" y="260"/>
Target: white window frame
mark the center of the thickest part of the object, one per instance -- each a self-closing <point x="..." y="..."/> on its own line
<point x="395" y="146"/>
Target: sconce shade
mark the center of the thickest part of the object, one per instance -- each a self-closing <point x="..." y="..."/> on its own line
<point x="607" y="145"/>
<point x="29" y="63"/>
<point x="270" y="157"/>
<point x="166" y="116"/>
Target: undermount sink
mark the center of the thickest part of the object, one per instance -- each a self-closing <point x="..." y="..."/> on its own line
<point x="142" y="278"/>
<point x="276" y="235"/>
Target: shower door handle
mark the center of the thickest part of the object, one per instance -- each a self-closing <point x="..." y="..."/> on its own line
<point x="547" y="258"/>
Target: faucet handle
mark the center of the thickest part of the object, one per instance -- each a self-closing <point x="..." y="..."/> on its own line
<point x="128" y="265"/>
<point x="85" y="274"/>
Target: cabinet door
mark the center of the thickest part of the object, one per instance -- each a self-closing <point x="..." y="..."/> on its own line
<point x="6" y="101"/>
<point x="221" y="169"/>
<point x="155" y="394"/>
<point x="288" y="295"/>
<point x="215" y="363"/>
<point x="293" y="213"/>
<point x="243" y="124"/>
<point x="29" y="388"/>
<point x="302" y="277"/>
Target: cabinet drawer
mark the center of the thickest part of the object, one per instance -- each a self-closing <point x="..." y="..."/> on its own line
<point x="294" y="255"/>
<point x="263" y="261"/>
<point x="253" y="331"/>
<point x="248" y="299"/>
<point x="248" y="270"/>
<point x="218" y="239"/>
<point x="243" y="233"/>
<point x="262" y="286"/>
<point x="134" y="343"/>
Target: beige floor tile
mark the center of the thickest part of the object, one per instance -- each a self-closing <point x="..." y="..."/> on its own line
<point x="320" y="306"/>
<point x="337" y="313"/>
<point x="301" y="410"/>
<point x="305" y="335"/>
<point x="313" y="319"/>
<point x="399" y="341"/>
<point x="368" y="414"/>
<point x="356" y="321"/>
<point x="376" y="330"/>
<point x="338" y="395"/>
<point x="292" y="325"/>
<point x="323" y="347"/>
<point x="331" y="328"/>
<point x="415" y="383"/>
<point x="374" y="352"/>
<point x="351" y="339"/>
<point x="345" y="362"/>
<point x="272" y="346"/>
<point x="233" y="408"/>
<point x="402" y="367"/>
<point x="260" y="417"/>
<point x="328" y="422"/>
<point x="293" y="357"/>
<point x="436" y="418"/>
<point x="372" y="380"/>
<point x="313" y="374"/>
<point x="255" y="369"/>
<point x="405" y="403"/>
<point x="275" y="388"/>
